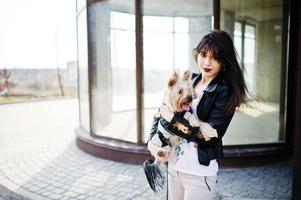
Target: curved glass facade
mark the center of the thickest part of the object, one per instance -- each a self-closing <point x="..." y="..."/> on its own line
<point x="258" y="32"/>
<point x="109" y="104"/>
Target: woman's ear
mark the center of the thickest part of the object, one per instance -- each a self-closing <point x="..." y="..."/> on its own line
<point x="187" y="75"/>
<point x="173" y="79"/>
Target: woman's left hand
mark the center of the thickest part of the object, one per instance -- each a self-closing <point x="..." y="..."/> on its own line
<point x="166" y="113"/>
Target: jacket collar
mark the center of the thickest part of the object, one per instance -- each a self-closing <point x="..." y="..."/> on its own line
<point x="212" y="85"/>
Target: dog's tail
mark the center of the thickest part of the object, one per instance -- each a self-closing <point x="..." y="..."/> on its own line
<point x="154" y="174"/>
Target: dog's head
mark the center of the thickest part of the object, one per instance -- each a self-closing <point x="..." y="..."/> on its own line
<point x="179" y="92"/>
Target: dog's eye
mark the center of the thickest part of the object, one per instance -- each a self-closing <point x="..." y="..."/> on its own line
<point x="181" y="91"/>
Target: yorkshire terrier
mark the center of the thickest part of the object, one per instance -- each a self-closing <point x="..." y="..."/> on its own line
<point x="178" y="97"/>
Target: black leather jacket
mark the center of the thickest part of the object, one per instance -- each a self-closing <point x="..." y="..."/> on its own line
<point x="211" y="109"/>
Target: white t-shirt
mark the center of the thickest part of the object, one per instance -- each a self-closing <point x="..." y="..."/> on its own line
<point x="185" y="157"/>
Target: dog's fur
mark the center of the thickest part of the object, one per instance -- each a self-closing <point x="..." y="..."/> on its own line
<point x="178" y="97"/>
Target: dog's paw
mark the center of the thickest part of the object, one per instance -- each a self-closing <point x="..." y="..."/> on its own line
<point x="162" y="155"/>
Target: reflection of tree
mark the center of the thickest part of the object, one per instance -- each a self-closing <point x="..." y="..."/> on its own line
<point x="59" y="78"/>
<point x="5" y="80"/>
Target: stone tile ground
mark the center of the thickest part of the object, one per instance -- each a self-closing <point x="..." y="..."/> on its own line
<point x="39" y="160"/>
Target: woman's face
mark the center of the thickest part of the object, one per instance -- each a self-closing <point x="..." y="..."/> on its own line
<point x="208" y="65"/>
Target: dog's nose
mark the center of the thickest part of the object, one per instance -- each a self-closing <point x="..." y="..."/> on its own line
<point x="189" y="98"/>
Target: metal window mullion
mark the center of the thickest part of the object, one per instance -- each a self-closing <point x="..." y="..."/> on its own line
<point x="139" y="68"/>
<point x="216" y="14"/>
<point x="243" y="26"/>
<point x="283" y="134"/>
<point x="174" y="44"/>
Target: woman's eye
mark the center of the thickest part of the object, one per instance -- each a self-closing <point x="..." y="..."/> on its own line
<point x="181" y="91"/>
<point x="216" y="57"/>
<point x="203" y="54"/>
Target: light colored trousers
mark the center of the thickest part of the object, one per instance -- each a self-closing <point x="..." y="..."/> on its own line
<point x="183" y="186"/>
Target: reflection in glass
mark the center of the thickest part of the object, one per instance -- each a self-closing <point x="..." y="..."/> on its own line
<point x="256" y="28"/>
<point x="238" y="38"/>
<point x="80" y="4"/>
<point x="112" y="62"/>
<point x="82" y="50"/>
<point x="169" y="35"/>
<point x="249" y="57"/>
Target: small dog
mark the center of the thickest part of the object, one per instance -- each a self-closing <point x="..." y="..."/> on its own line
<point x="178" y="97"/>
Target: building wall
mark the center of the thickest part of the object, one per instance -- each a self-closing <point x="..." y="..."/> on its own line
<point x="268" y="62"/>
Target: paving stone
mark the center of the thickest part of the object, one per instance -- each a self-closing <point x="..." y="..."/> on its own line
<point x="3" y="198"/>
<point x="58" y="190"/>
<point x="46" y="193"/>
<point x="92" y="198"/>
<point x="34" y="188"/>
<point x="81" y="197"/>
<point x="55" y="196"/>
<point x="65" y="198"/>
<point x="70" y="194"/>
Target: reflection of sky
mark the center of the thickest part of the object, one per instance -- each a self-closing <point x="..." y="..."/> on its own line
<point x="34" y="32"/>
<point x="237" y="38"/>
<point x="165" y="42"/>
<point x="249" y="52"/>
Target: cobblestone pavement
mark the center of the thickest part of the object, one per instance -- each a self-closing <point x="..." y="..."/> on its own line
<point x="39" y="160"/>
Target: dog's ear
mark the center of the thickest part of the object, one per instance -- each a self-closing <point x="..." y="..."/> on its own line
<point x="173" y="79"/>
<point x="187" y="75"/>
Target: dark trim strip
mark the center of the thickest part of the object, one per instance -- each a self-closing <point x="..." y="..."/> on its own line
<point x="295" y="52"/>
<point x="216" y="14"/>
<point x="139" y="68"/>
<point x="291" y="76"/>
<point x="127" y="152"/>
<point x="283" y="134"/>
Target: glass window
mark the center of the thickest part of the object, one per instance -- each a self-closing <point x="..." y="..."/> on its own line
<point x="238" y="38"/>
<point x="113" y="69"/>
<point x="169" y="35"/>
<point x="82" y="50"/>
<point x="257" y="29"/>
<point x="80" y="4"/>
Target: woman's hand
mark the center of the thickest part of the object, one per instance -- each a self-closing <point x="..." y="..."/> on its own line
<point x="166" y="113"/>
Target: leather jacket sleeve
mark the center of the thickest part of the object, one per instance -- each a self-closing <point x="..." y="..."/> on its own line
<point x="218" y="118"/>
<point x="181" y="127"/>
<point x="175" y="128"/>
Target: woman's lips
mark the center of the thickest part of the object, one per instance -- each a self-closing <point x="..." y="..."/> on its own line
<point x="207" y="69"/>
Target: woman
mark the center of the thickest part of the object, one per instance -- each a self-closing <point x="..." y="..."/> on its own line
<point x="219" y="88"/>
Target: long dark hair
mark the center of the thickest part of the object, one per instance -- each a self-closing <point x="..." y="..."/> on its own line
<point x="220" y="45"/>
